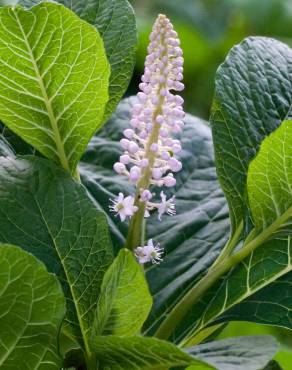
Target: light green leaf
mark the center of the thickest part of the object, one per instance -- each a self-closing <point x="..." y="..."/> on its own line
<point x="269" y="181"/>
<point x="141" y="353"/>
<point x="253" y="96"/>
<point x="124" y="302"/>
<point x="115" y="21"/>
<point x="50" y="215"/>
<point x="241" y="353"/>
<point x="53" y="78"/>
<point x="194" y="236"/>
<point x="32" y="307"/>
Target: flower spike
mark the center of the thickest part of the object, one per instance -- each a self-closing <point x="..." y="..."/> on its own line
<point x="149" y="144"/>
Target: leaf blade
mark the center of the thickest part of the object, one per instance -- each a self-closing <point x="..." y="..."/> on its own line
<point x="125" y="301"/>
<point x="32" y="309"/>
<point x="51" y="216"/>
<point x="47" y="76"/>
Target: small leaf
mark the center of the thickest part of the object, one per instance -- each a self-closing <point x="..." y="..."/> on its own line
<point x="50" y="215"/>
<point x="141" y="353"/>
<point x="32" y="307"/>
<point x="253" y="96"/>
<point x="115" y="21"/>
<point x="241" y="353"/>
<point x="53" y="78"/>
<point x="124" y="302"/>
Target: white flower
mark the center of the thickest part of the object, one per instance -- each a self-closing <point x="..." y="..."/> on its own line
<point x="149" y="253"/>
<point x="166" y="206"/>
<point x="124" y="207"/>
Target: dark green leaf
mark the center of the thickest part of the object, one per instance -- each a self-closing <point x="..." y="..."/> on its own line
<point x="32" y="307"/>
<point x="192" y="239"/>
<point x="273" y="365"/>
<point x="140" y="353"/>
<point x="241" y="353"/>
<point x="54" y="80"/>
<point x="115" y="21"/>
<point x="50" y="215"/>
<point x="124" y="302"/>
<point x="253" y="96"/>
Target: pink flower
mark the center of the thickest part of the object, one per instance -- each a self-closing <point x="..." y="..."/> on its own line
<point x="149" y="253"/>
<point x="124" y="207"/>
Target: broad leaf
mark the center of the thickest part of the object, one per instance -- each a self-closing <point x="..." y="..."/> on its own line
<point x="273" y="365"/>
<point x="253" y="96"/>
<point x="257" y="289"/>
<point x="115" y="21"/>
<point x="241" y="353"/>
<point x="53" y="78"/>
<point x="124" y="302"/>
<point x="140" y="353"/>
<point x="32" y="307"/>
<point x="192" y="239"/>
<point x="269" y="181"/>
<point x="50" y="215"/>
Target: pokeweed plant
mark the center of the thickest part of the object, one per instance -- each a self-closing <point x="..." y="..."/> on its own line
<point x="115" y="254"/>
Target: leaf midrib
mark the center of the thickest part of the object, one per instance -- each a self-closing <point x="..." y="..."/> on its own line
<point x="53" y="121"/>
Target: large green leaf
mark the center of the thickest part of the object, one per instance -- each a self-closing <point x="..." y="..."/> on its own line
<point x="53" y="78"/>
<point x="192" y="239"/>
<point x="257" y="289"/>
<point x="140" y="353"/>
<point x="32" y="307"/>
<point x="269" y="181"/>
<point x="50" y="215"/>
<point x="115" y="21"/>
<point x="241" y="353"/>
<point x="124" y="302"/>
<point x="253" y="96"/>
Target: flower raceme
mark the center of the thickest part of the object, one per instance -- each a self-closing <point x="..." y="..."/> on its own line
<point x="149" y="147"/>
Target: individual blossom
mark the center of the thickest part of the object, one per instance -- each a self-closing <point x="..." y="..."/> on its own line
<point x="150" y="147"/>
<point x="149" y="253"/>
<point x="124" y="207"/>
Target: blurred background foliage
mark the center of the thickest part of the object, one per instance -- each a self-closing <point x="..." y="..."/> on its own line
<point x="208" y="29"/>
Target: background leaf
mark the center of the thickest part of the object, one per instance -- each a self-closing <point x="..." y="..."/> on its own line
<point x="124" y="302"/>
<point x="240" y="353"/>
<point x="253" y="96"/>
<point x="193" y="238"/>
<point x="131" y="353"/>
<point x="115" y="21"/>
<point x="49" y="214"/>
<point x="32" y="308"/>
<point x="53" y="83"/>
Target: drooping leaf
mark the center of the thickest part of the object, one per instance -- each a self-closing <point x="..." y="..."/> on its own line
<point x="241" y="353"/>
<point x="124" y="302"/>
<point x="141" y="353"/>
<point x="32" y="307"/>
<point x="253" y="96"/>
<point x="192" y="239"/>
<point x="50" y="215"/>
<point x="115" y="21"/>
<point x="53" y="78"/>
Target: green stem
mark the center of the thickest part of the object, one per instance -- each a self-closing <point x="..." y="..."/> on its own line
<point x="196" y="292"/>
<point x="230" y="245"/>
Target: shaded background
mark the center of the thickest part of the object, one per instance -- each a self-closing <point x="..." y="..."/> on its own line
<point x="208" y="29"/>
